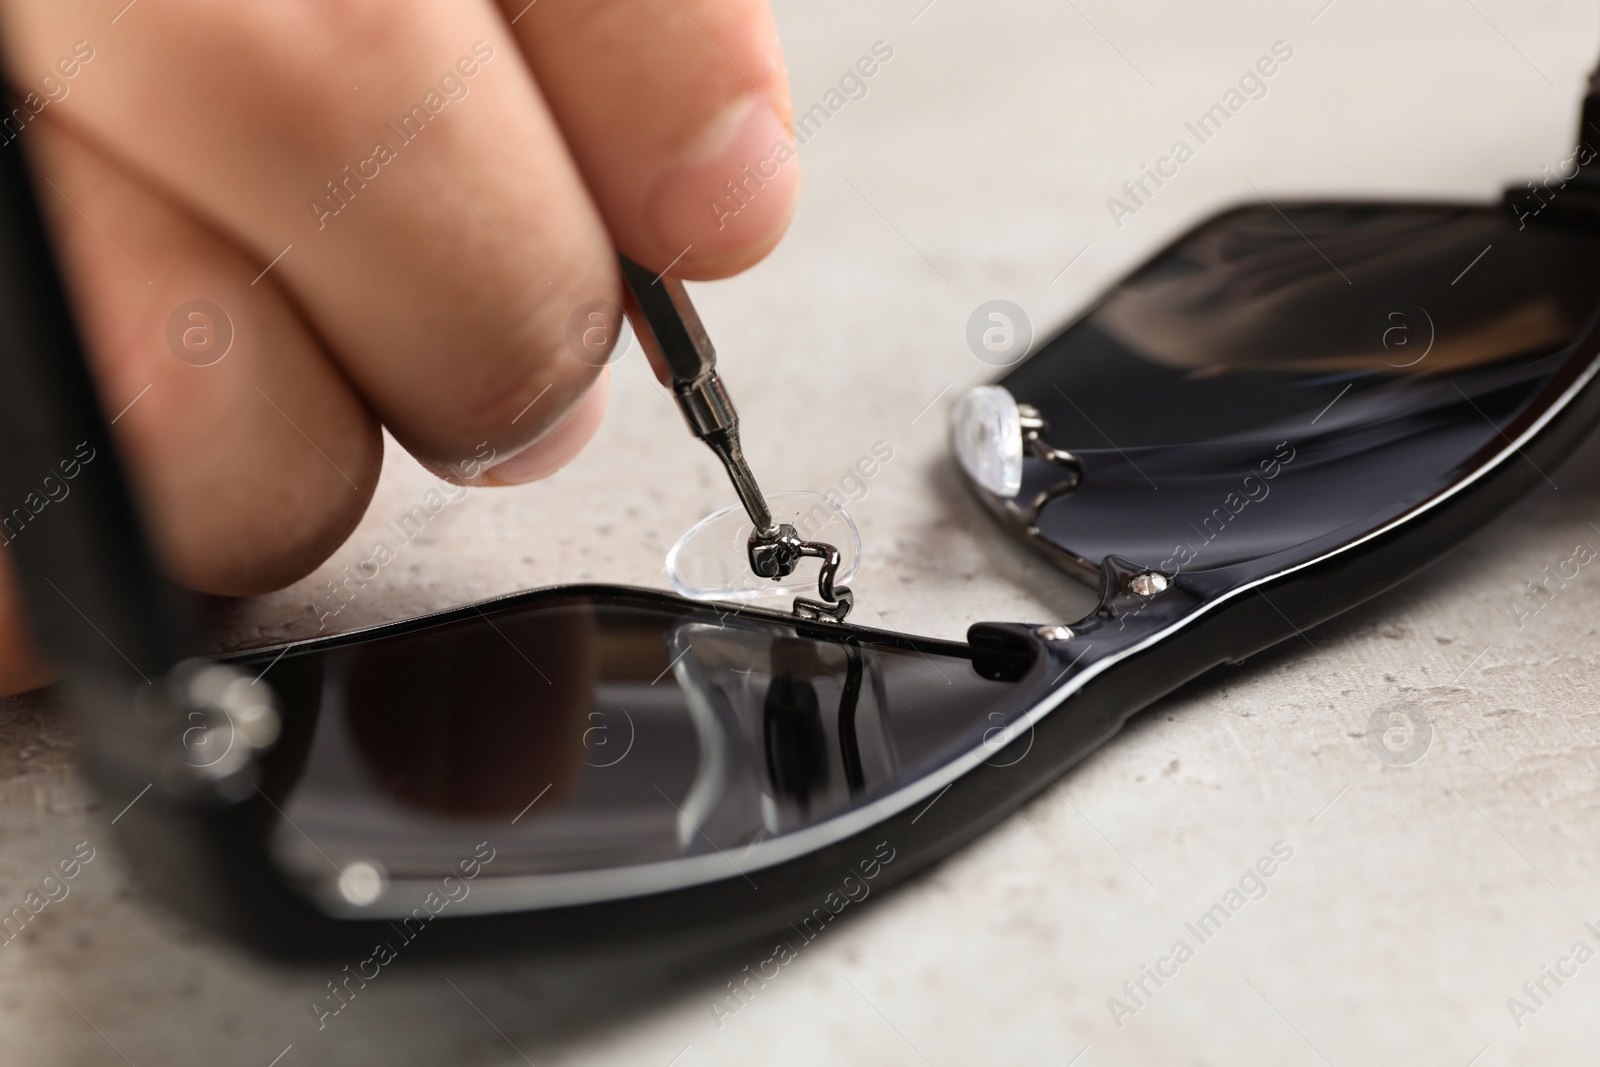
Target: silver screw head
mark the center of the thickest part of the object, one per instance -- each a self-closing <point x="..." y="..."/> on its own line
<point x="775" y="557"/>
<point x="1149" y="583"/>
<point x="1054" y="632"/>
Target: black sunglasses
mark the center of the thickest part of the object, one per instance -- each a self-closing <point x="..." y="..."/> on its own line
<point x="1285" y="412"/>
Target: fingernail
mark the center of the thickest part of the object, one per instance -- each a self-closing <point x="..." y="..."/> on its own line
<point x="559" y="445"/>
<point x="729" y="196"/>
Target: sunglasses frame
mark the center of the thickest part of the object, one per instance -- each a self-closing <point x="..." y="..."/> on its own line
<point x="200" y="845"/>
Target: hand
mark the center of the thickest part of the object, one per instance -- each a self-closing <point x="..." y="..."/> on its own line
<point x="394" y="208"/>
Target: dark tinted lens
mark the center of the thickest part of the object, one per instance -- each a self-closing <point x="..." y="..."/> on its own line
<point x="580" y="733"/>
<point x="1339" y="361"/>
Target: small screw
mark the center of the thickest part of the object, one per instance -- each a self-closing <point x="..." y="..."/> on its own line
<point x="1149" y="584"/>
<point x="1054" y="633"/>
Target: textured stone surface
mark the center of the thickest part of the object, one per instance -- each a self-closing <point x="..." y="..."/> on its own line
<point x="977" y="166"/>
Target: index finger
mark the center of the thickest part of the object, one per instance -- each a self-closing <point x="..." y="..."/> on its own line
<point x="677" y="114"/>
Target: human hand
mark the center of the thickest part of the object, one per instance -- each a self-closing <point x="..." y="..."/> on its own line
<point x="397" y="208"/>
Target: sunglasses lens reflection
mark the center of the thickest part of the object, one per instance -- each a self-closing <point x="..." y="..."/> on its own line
<point x="1342" y="360"/>
<point x="589" y="733"/>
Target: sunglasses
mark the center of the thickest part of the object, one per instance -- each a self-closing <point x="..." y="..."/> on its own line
<point x="1286" y="411"/>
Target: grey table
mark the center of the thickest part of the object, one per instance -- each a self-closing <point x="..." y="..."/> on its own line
<point x="979" y="164"/>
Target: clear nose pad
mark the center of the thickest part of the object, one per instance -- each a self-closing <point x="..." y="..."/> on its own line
<point x="986" y="432"/>
<point x="712" y="562"/>
<point x="991" y="432"/>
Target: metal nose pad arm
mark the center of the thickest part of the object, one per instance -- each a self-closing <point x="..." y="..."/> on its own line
<point x="1034" y="433"/>
<point x="776" y="556"/>
<point x="992" y="434"/>
<point x="836" y="602"/>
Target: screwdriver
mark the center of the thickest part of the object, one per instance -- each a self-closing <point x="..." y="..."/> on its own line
<point x="674" y="339"/>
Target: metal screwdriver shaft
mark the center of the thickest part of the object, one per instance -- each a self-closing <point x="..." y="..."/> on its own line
<point x="680" y="341"/>
<point x="673" y="337"/>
